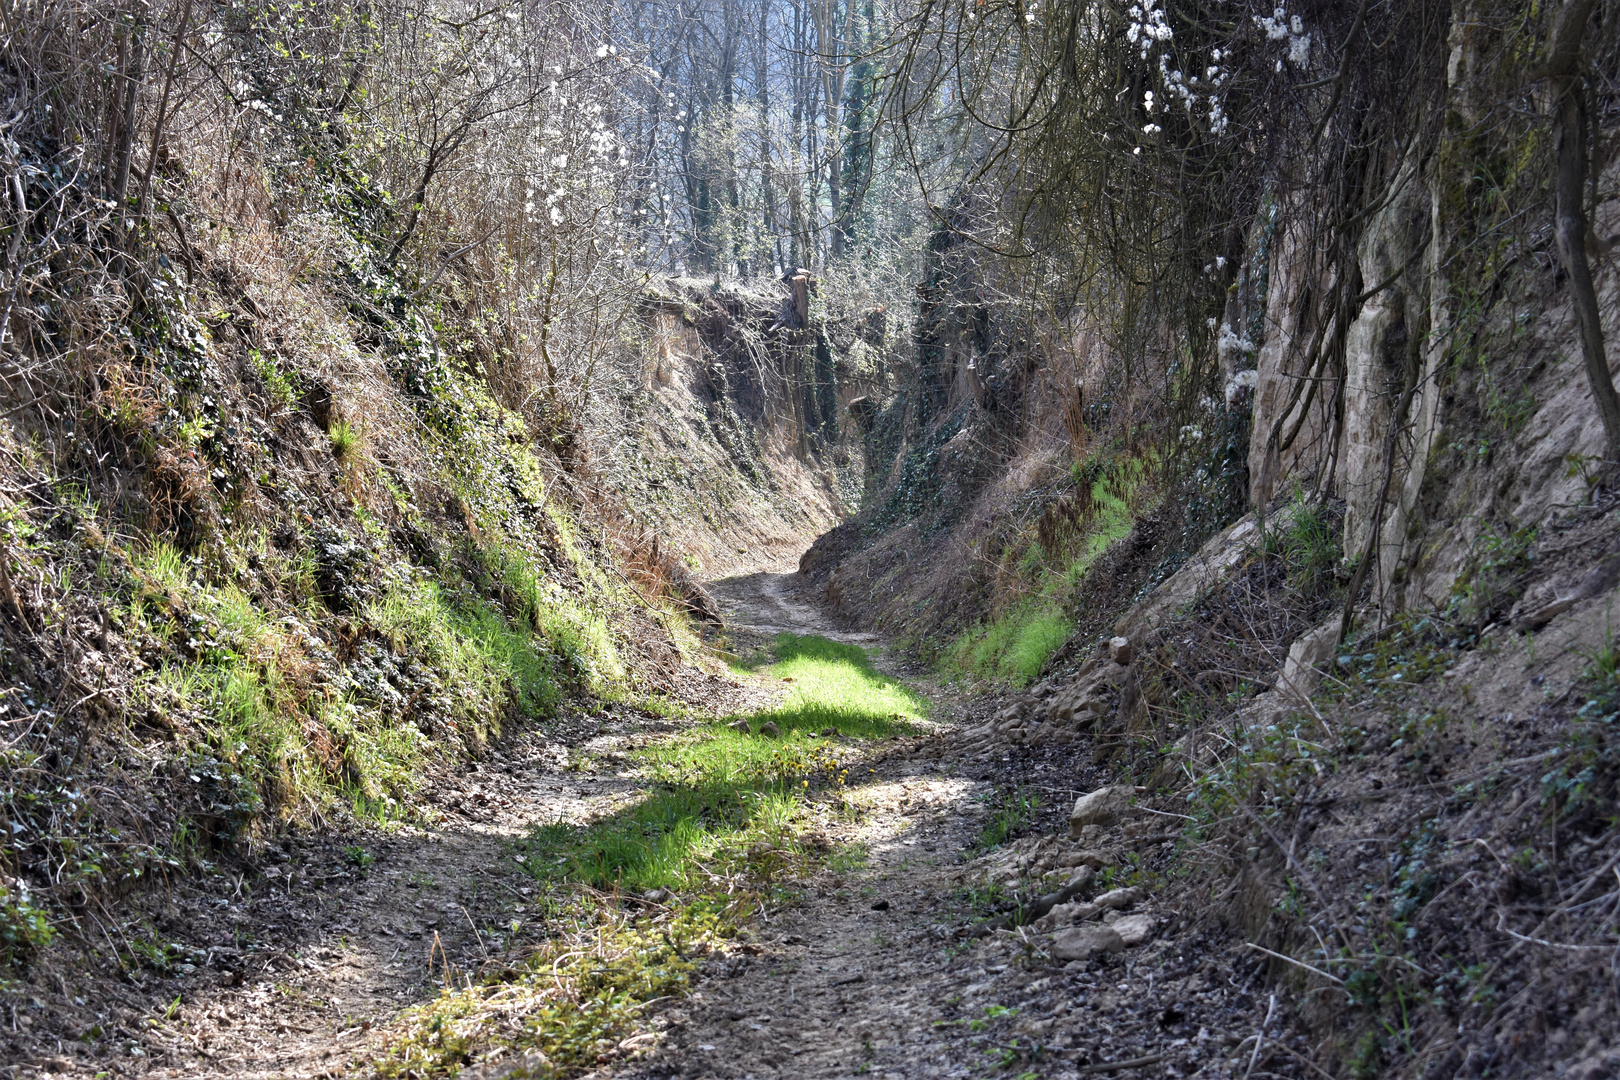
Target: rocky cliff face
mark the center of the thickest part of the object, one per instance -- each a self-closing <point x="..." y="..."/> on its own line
<point x="1420" y="372"/>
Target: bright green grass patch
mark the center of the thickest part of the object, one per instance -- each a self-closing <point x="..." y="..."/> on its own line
<point x="481" y="653"/>
<point x="1012" y="648"/>
<point x="725" y="802"/>
<point x="834" y="684"/>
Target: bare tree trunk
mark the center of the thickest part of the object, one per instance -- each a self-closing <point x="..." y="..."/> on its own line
<point x="126" y="133"/>
<point x="1563" y="71"/>
<point x="833" y="62"/>
<point x="762" y="81"/>
<point x="799" y="219"/>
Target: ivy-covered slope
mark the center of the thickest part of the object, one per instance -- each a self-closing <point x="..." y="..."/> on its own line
<point x="273" y="549"/>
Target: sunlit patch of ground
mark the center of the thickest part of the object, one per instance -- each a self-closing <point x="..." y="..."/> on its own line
<point x="682" y="839"/>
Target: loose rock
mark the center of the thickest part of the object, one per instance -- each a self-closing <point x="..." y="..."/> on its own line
<point x="1069" y="914"/>
<point x="1105" y="806"/>
<point x="1135" y="929"/>
<point x="1085" y="942"/>
<point x="1119" y="899"/>
<point x="769" y="729"/>
<point x="1119" y="650"/>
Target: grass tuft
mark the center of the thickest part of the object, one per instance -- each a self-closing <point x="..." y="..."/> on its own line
<point x="1011" y="810"/>
<point x="345" y="439"/>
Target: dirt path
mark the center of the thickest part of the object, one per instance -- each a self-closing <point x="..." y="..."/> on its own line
<point x="288" y="968"/>
<point x="870" y="973"/>
<point x="292" y="968"/>
<point x="760" y="606"/>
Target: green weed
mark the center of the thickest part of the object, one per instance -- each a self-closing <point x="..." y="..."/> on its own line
<point x="483" y="657"/>
<point x="1012" y="648"/>
<point x="1493" y="578"/>
<point x="276" y="383"/>
<point x="1011" y="810"/>
<point x="345" y="439"/>
<point x="848" y="859"/>
<point x="1308" y="543"/>
<point x="24" y="925"/>
<point x="581" y="991"/>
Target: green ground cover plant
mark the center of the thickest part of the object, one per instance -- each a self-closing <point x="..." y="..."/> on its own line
<point x="727" y="814"/>
<point x="574" y="998"/>
<point x="1013" y="646"/>
<point x="728" y="802"/>
<point x="1011" y="809"/>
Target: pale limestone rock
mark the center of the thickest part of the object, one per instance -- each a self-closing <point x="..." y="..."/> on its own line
<point x="1105" y="806"/>
<point x="1119" y="898"/>
<point x="1082" y="943"/>
<point x="1135" y="929"/>
<point x="1307" y="658"/>
<point x="1086" y="857"/>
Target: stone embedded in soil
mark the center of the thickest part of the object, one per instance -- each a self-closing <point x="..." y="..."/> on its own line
<point x="1119" y="650"/>
<point x="1086" y="857"/>
<point x="1105" y="806"/>
<point x="1119" y="899"/>
<point x="1085" y="942"/>
<point x="742" y="726"/>
<point x="1069" y="914"/>
<point x="1135" y="929"/>
<point x="770" y="730"/>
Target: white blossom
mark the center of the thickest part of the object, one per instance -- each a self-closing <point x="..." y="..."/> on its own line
<point x="1148" y="26"/>
<point x="1240" y="385"/>
<point x="1229" y="342"/>
<point x="1280" y="26"/>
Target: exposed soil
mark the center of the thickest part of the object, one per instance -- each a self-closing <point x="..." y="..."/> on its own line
<point x="284" y="968"/>
<point x="760" y="606"/>
<point x="287" y="969"/>
<point x="871" y="973"/>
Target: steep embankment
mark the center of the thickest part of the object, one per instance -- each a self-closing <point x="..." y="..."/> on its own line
<point x="747" y="437"/>
<point x="1366" y="681"/>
